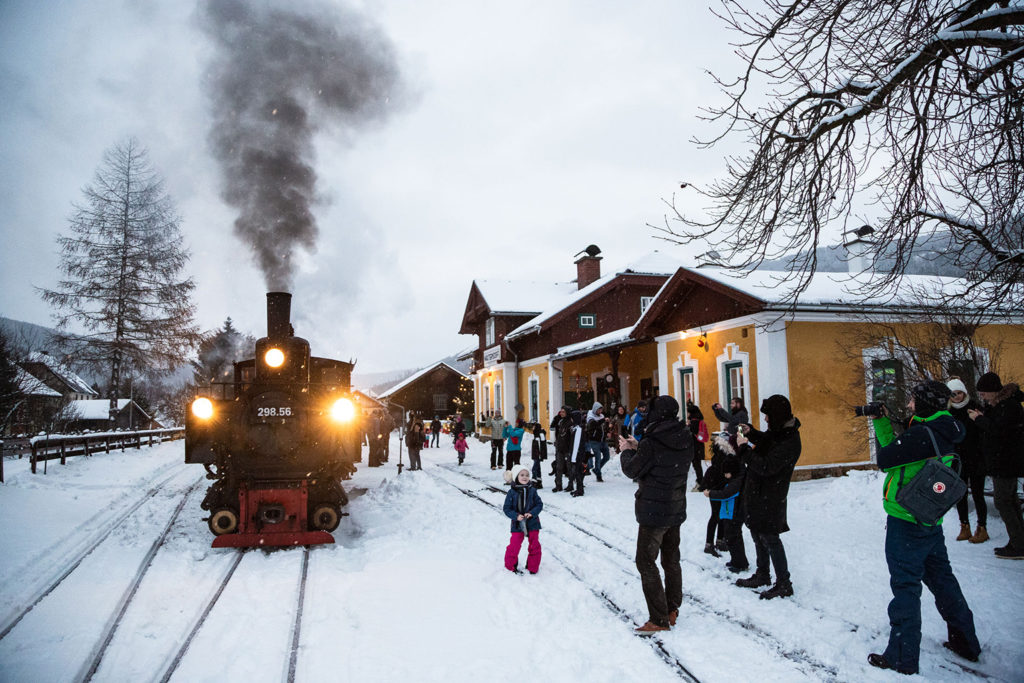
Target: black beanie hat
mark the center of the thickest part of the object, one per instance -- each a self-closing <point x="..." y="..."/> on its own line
<point x="989" y="382"/>
<point x="663" y="408"/>
<point x="930" y="397"/>
<point x="777" y="410"/>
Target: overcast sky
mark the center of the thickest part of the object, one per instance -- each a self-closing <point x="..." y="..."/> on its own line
<point x="523" y="132"/>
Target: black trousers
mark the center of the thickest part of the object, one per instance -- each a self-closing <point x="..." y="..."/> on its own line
<point x="769" y="547"/>
<point x="661" y="599"/>
<point x="976" y="484"/>
<point x="714" y="522"/>
<point x="562" y="468"/>
<point x="497" y="449"/>
<point x="576" y="474"/>
<point x="732" y="531"/>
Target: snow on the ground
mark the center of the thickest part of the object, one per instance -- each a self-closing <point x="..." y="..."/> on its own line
<point x="415" y="588"/>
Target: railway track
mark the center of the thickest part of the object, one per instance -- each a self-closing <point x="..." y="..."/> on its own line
<point x="625" y="563"/>
<point x="656" y="643"/>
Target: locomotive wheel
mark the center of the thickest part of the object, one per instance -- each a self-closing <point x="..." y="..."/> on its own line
<point x="325" y="518"/>
<point x="223" y="521"/>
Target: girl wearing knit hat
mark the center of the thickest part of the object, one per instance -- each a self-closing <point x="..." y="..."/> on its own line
<point x="972" y="463"/>
<point x="522" y="506"/>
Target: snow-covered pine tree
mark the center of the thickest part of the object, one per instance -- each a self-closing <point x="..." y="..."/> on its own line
<point x="123" y="261"/>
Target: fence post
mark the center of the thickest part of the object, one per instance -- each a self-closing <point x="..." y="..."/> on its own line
<point x="33" y="457"/>
<point x="108" y="444"/>
<point x="1" y="461"/>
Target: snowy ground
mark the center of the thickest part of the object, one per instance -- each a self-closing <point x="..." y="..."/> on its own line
<point x="415" y="588"/>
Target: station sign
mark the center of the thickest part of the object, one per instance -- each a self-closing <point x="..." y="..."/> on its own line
<point x="492" y="356"/>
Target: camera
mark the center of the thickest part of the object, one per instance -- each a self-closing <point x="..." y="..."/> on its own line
<point x="873" y="409"/>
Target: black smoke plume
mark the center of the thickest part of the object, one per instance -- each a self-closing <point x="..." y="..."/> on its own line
<point x="282" y="71"/>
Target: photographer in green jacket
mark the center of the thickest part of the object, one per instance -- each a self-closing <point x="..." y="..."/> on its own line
<point x="916" y="552"/>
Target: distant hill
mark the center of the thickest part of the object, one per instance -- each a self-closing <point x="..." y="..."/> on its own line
<point x="935" y="255"/>
<point x="27" y="336"/>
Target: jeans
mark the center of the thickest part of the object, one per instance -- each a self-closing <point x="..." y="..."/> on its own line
<point x="976" y="482"/>
<point x="661" y="599"/>
<point x="769" y="546"/>
<point x="497" y="449"/>
<point x="536" y="470"/>
<point x="599" y="449"/>
<point x="435" y="438"/>
<point x="1008" y="505"/>
<point x="916" y="554"/>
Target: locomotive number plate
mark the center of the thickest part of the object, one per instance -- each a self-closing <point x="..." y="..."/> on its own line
<point x="274" y="411"/>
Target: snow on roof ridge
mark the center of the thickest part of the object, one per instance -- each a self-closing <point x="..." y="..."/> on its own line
<point x="99" y="408"/>
<point x="62" y="370"/>
<point x="416" y="375"/>
<point x="31" y="385"/>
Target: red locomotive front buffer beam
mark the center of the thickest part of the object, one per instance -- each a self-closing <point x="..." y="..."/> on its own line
<point x="272" y="516"/>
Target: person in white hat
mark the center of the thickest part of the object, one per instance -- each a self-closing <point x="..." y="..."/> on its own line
<point x="522" y="506"/>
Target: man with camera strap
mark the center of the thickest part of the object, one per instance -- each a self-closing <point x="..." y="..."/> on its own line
<point x="915" y="551"/>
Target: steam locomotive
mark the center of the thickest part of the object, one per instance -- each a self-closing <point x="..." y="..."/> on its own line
<point x="277" y="441"/>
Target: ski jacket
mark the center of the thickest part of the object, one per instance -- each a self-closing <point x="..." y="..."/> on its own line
<point x="730" y="494"/>
<point x="636" y="424"/>
<point x="435" y="426"/>
<point x="972" y="459"/>
<point x="514" y="436"/>
<point x="458" y="429"/>
<point x="595" y="427"/>
<point x="904" y="457"/>
<point x="539" y="447"/>
<point x="561" y="427"/>
<point x="414" y="440"/>
<point x="497" y="425"/>
<point x="460" y="443"/>
<point x="659" y="465"/>
<point x="1002" y="433"/>
<point x="732" y="420"/>
<point x="522" y="499"/>
<point x="769" y="466"/>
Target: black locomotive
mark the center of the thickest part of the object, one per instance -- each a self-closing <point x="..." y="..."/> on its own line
<point x="277" y="441"/>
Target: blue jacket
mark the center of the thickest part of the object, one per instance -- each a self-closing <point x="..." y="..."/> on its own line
<point x="519" y="500"/>
<point x="637" y="424"/>
<point x="514" y="436"/>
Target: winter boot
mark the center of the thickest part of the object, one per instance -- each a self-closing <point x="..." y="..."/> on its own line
<point x="881" y="662"/>
<point x="980" y="536"/>
<point x="556" y="489"/>
<point x="755" y="580"/>
<point x="781" y="589"/>
<point x="599" y="476"/>
<point x="538" y="485"/>
<point x="965" y="532"/>
<point x="650" y="628"/>
<point x="710" y="550"/>
<point x="958" y="643"/>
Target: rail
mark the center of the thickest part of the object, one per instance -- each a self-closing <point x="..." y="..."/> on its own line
<point x="64" y="446"/>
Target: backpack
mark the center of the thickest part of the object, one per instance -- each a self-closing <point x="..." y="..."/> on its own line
<point x="934" y="489"/>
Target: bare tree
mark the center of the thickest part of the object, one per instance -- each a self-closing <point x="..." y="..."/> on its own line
<point x="123" y="263"/>
<point x="914" y="107"/>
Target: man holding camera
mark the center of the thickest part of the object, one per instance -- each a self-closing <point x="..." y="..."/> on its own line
<point x="914" y="551"/>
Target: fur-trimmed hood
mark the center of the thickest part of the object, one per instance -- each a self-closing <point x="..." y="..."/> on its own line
<point x="1009" y="391"/>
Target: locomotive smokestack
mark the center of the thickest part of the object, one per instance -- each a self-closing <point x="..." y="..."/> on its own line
<point x="279" y="314"/>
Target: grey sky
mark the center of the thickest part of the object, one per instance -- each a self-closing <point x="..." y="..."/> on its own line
<point x="526" y="131"/>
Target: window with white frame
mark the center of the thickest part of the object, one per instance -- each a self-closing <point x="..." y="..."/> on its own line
<point x="497" y="398"/>
<point x="489" y="332"/>
<point x="687" y="380"/>
<point x="588" y="320"/>
<point x="645" y="302"/>
<point x="534" y="399"/>
<point x="487" y="399"/>
<point x="735" y="381"/>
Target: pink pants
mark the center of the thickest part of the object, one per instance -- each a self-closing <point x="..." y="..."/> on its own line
<point x="532" y="554"/>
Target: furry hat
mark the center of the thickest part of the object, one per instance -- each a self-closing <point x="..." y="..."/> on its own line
<point x="512" y="475"/>
<point x="989" y="382"/>
<point x="723" y="443"/>
<point x="663" y="408"/>
<point x="778" y="411"/>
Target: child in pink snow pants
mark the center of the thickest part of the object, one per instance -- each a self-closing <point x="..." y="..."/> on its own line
<point x="522" y="506"/>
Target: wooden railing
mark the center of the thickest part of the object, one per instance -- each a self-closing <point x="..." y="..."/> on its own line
<point x="64" y="446"/>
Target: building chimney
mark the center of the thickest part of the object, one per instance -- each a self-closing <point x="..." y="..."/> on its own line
<point x="858" y="249"/>
<point x="588" y="266"/>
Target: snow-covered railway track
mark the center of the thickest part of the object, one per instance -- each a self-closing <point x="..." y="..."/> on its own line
<point x="624" y="561"/>
<point x="657" y="645"/>
<point x="66" y="563"/>
<point x="174" y="660"/>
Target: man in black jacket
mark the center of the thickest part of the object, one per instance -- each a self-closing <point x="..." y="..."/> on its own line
<point x="1002" y="434"/>
<point x="659" y="464"/>
<point x="561" y="430"/>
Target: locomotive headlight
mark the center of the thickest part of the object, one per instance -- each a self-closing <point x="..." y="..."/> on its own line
<point x="274" y="358"/>
<point x="202" y="408"/>
<point x="343" y="410"/>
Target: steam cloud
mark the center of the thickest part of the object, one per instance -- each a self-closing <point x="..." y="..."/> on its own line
<point x="281" y="71"/>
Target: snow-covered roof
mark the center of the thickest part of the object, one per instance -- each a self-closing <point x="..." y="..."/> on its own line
<point x="597" y="343"/>
<point x="99" y="408"/>
<point x="78" y="384"/>
<point x="416" y="375"/>
<point x="510" y="297"/>
<point x="31" y="385"/>
<point x="654" y="263"/>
